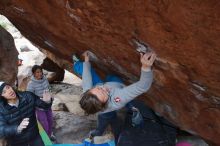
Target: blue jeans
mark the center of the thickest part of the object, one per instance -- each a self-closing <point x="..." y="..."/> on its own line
<point x="78" y="69"/>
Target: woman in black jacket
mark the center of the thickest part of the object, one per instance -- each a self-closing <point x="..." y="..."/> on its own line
<point x="18" y="124"/>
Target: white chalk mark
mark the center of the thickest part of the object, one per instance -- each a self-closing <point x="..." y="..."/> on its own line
<point x="19" y="9"/>
<point x="49" y="44"/>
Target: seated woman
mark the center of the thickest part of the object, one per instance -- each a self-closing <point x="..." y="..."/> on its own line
<point x="18" y="124"/>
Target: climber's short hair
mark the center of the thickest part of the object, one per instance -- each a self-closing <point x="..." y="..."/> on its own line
<point x="90" y="103"/>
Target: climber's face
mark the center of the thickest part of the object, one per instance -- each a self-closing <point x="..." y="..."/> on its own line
<point x="101" y="93"/>
<point x="38" y="74"/>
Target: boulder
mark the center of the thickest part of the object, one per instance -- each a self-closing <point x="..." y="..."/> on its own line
<point x="184" y="34"/>
<point x="8" y="57"/>
<point x="72" y="129"/>
<point x="59" y="72"/>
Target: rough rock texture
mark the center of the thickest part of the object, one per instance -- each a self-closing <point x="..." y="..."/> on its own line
<point x="184" y="34"/>
<point x="8" y="57"/>
<point x="69" y="95"/>
<point x="70" y="128"/>
<point x="49" y="65"/>
<point x="74" y="126"/>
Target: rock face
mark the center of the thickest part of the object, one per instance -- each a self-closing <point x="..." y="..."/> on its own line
<point x="69" y="95"/>
<point x="184" y="34"/>
<point x="72" y="127"/>
<point x="8" y="57"/>
<point x="49" y="65"/>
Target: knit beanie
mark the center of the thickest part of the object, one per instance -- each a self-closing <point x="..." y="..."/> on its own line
<point x="2" y="85"/>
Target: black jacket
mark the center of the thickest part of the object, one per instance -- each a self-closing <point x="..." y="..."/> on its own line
<point x="11" y="117"/>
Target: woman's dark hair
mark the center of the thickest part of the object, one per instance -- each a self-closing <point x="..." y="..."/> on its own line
<point x="35" y="67"/>
<point x="90" y="103"/>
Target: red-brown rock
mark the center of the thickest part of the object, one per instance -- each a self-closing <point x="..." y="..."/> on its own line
<point x="8" y="57"/>
<point x="184" y="34"/>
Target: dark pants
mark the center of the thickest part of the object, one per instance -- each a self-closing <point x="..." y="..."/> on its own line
<point x="155" y="131"/>
<point x="34" y="142"/>
<point x="106" y="119"/>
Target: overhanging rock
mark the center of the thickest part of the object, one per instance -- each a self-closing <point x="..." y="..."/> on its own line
<point x="184" y="34"/>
